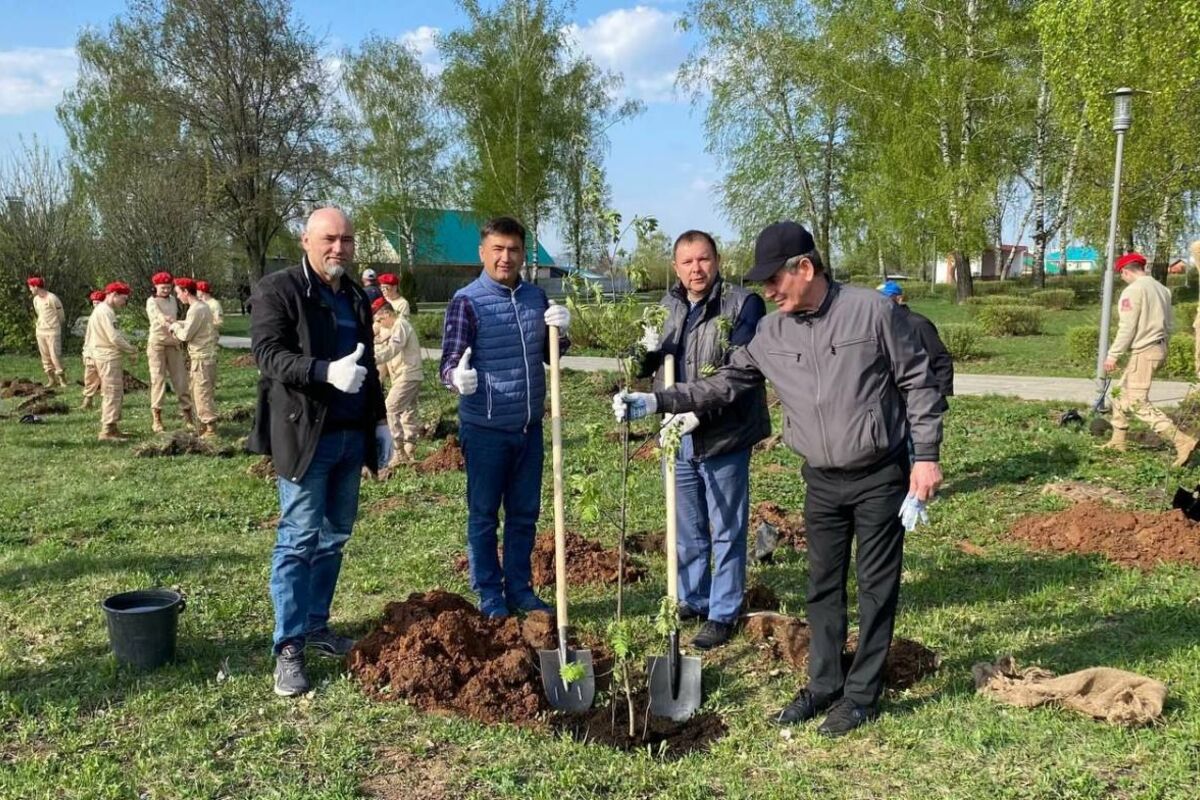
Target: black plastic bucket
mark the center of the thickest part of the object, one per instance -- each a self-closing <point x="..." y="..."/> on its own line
<point x="142" y="626"/>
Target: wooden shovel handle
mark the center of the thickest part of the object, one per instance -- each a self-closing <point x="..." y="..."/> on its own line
<point x="560" y="530"/>
<point x="669" y="486"/>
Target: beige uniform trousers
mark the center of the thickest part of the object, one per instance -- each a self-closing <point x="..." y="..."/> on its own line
<point x="167" y="362"/>
<point x="1134" y="399"/>
<point x="50" y="349"/>
<point x="401" y="405"/>
<point x="91" y="377"/>
<point x="204" y="390"/>
<point x="112" y="390"/>
<point x="1196" y="333"/>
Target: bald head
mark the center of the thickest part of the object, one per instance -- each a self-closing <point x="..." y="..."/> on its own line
<point x="328" y="241"/>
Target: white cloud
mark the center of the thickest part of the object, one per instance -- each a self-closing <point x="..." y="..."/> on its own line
<point x="640" y="43"/>
<point x="423" y="42"/>
<point x="34" y="78"/>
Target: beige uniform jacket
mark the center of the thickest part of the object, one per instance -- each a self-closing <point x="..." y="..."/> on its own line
<point x="198" y="330"/>
<point x="1146" y="318"/>
<point x="218" y="313"/>
<point x="161" y="311"/>
<point x="106" y="341"/>
<point x="400" y="306"/>
<point x="50" y="315"/>
<point x="400" y="349"/>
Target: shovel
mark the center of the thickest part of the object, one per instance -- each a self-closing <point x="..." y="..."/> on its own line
<point x="572" y="695"/>
<point x="675" y="691"/>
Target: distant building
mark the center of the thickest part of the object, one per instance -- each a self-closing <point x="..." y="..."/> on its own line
<point x="1078" y="259"/>
<point x="986" y="265"/>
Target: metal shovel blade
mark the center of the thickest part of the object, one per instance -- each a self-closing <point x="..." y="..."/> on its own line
<point x="675" y="689"/>
<point x="572" y="697"/>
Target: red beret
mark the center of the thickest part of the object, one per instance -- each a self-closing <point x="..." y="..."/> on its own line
<point x="159" y="278"/>
<point x="1130" y="259"/>
<point x="35" y="281"/>
<point x="380" y="303"/>
<point x="389" y="279"/>
<point x="185" y="283"/>
<point x="117" y="287"/>
<point x="201" y="286"/>
<point x="96" y="297"/>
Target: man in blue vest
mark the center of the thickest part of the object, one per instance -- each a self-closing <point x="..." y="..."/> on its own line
<point x="493" y="348"/>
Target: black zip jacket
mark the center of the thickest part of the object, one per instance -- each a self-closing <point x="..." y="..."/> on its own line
<point x="293" y="333"/>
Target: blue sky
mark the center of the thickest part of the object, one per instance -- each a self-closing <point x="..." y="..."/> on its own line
<point x="657" y="163"/>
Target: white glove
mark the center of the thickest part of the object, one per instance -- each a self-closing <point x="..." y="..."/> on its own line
<point x="651" y="338"/>
<point x="633" y="405"/>
<point x="686" y="423"/>
<point x="912" y="513"/>
<point x="557" y="316"/>
<point x="465" y="379"/>
<point x="346" y="374"/>
<point x="383" y="444"/>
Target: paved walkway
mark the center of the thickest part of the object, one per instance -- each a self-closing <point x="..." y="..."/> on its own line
<point x="1072" y="390"/>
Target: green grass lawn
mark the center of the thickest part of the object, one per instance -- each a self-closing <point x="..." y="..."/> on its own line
<point x="80" y="520"/>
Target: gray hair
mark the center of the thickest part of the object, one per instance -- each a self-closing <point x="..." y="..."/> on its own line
<point x="813" y="256"/>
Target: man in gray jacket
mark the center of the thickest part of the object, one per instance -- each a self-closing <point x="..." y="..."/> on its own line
<point x="854" y="383"/>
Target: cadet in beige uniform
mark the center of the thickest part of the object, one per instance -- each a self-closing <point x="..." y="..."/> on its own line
<point x="214" y="305"/>
<point x="109" y="348"/>
<point x="1194" y="249"/>
<point x="48" y="330"/>
<point x="389" y="284"/>
<point x="200" y="334"/>
<point x="1146" y="321"/>
<point x="164" y="353"/>
<point x="91" y="376"/>
<point x="397" y="345"/>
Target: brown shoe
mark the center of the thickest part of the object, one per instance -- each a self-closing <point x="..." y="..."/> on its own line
<point x="1184" y="447"/>
<point x="61" y="378"/>
<point x="111" y="433"/>
<point x="156" y="423"/>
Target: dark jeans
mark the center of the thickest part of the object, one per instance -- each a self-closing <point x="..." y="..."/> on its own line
<point x="315" y="518"/>
<point x="841" y="506"/>
<point x="503" y="468"/>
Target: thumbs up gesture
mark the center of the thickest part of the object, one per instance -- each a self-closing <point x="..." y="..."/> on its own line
<point x="464" y="378"/>
<point x="346" y="374"/>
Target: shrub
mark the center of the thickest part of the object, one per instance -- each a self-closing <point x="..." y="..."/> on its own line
<point x="429" y="325"/>
<point x="992" y="300"/>
<point x="1082" y="344"/>
<point x="1185" y="315"/>
<point x="1184" y="294"/>
<point x="988" y="288"/>
<point x="1053" y="298"/>
<point x="1181" y="357"/>
<point x="963" y="340"/>
<point x="1011" y="320"/>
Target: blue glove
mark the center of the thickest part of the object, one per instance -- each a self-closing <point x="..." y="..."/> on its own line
<point x="383" y="445"/>
<point x="633" y="405"/>
<point x="912" y="513"/>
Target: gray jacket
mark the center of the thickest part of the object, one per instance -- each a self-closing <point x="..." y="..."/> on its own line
<point x="852" y="378"/>
<point x="728" y="428"/>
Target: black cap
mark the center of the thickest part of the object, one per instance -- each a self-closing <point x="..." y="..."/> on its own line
<point x="775" y="245"/>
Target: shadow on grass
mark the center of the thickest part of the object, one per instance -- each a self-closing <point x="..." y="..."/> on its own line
<point x="1032" y="465"/>
<point x="73" y="566"/>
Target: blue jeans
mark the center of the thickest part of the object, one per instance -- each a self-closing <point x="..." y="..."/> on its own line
<point x="315" y="518"/>
<point x="712" y="514"/>
<point x="503" y="467"/>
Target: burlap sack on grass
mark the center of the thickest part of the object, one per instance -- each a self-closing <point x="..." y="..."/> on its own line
<point x="1112" y="695"/>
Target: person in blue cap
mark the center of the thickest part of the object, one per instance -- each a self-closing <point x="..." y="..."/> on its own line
<point x="939" y="357"/>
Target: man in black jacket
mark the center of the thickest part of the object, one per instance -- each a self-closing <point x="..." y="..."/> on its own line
<point x="321" y="418"/>
<point x="927" y="333"/>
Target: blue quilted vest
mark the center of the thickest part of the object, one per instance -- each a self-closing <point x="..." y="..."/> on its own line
<point x="510" y="341"/>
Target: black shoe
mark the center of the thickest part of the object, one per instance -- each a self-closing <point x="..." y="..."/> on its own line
<point x="329" y="644"/>
<point x="687" y="613"/>
<point x="712" y="634"/>
<point x="290" y="680"/>
<point x="804" y="706"/>
<point x="845" y="716"/>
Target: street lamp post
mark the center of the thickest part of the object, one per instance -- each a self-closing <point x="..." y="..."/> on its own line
<point x="1122" y="118"/>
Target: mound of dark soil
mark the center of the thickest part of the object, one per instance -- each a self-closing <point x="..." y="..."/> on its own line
<point x="238" y="414"/>
<point x="446" y="458"/>
<point x="180" y="443"/>
<point x="647" y="542"/>
<point x="263" y="468"/>
<point x="787" y="639"/>
<point x="790" y="525"/>
<point x="23" y="387"/>
<point x="659" y="737"/>
<point x="437" y="651"/>
<point x="760" y="597"/>
<point x="245" y="360"/>
<point x="43" y="404"/>
<point x="587" y="562"/>
<point x="1140" y="539"/>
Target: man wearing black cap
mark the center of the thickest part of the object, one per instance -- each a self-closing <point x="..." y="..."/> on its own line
<point x="854" y="383"/>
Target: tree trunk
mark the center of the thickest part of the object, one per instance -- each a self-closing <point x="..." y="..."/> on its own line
<point x="963" y="285"/>
<point x="1162" y="240"/>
